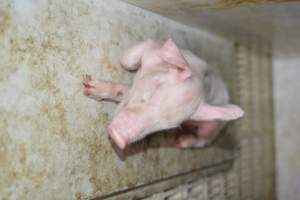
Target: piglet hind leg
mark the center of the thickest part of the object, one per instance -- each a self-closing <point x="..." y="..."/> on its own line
<point x="209" y="120"/>
<point x="103" y="90"/>
<point x="201" y="135"/>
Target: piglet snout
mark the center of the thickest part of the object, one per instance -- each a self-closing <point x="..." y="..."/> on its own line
<point x="125" y="127"/>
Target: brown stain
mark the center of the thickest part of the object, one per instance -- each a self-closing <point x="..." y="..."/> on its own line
<point x="43" y="77"/>
<point x="5" y="21"/>
<point x="56" y="115"/>
<point x="109" y="49"/>
<point x="104" y="118"/>
<point x="8" y="174"/>
<point x="107" y="61"/>
<point x="78" y="196"/>
<point x="96" y="181"/>
<point x="22" y="150"/>
<point x="99" y="152"/>
<point x="8" y="67"/>
<point x="18" y="157"/>
<point x="4" y="138"/>
<point x="99" y="155"/>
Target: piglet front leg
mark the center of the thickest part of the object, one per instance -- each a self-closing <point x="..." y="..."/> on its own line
<point x="103" y="90"/>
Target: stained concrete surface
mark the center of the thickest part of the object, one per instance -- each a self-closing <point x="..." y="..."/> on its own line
<point x="53" y="140"/>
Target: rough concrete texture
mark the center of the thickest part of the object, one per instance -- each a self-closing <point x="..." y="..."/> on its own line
<point x="53" y="141"/>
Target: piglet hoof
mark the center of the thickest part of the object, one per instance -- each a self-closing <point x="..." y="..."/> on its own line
<point x="86" y="83"/>
<point x="86" y="79"/>
<point x="185" y="141"/>
<point x="191" y="141"/>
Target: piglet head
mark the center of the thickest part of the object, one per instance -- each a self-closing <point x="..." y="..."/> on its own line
<point x="164" y="94"/>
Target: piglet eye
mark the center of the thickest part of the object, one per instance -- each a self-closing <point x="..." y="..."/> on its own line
<point x="119" y="93"/>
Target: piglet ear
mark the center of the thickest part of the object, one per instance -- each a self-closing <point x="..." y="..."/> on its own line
<point x="227" y="112"/>
<point x="176" y="62"/>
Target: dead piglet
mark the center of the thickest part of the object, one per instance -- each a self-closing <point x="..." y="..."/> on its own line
<point x="171" y="87"/>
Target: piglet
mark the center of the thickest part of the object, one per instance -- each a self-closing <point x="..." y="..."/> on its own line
<point x="172" y="88"/>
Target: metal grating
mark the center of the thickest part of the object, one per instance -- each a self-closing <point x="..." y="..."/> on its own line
<point x="256" y="165"/>
<point x="211" y="188"/>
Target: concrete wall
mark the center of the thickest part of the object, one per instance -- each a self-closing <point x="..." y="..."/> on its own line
<point x="53" y="143"/>
<point x="287" y="117"/>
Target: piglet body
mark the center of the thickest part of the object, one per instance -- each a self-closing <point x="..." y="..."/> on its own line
<point x="172" y="88"/>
